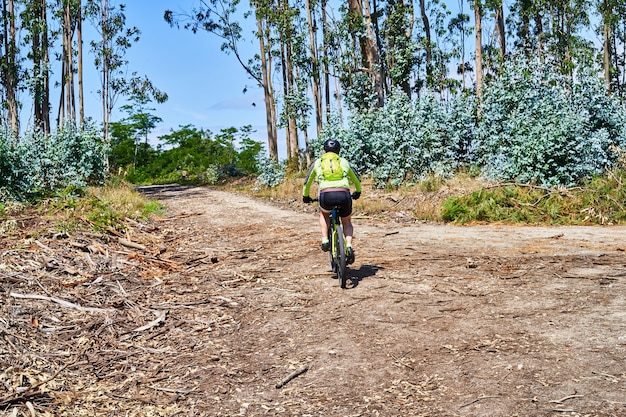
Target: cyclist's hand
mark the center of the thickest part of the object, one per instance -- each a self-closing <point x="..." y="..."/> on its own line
<point x="306" y="199"/>
<point x="356" y="195"/>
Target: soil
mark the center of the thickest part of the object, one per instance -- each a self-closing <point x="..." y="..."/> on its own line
<point x="226" y="306"/>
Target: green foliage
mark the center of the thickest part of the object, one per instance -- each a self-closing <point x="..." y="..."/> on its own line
<point x="540" y="127"/>
<point x="598" y="201"/>
<point x="405" y="141"/>
<point x="37" y="165"/>
<point x="271" y="172"/>
<point x="194" y="156"/>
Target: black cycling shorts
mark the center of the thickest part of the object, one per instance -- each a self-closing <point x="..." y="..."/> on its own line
<point x="340" y="199"/>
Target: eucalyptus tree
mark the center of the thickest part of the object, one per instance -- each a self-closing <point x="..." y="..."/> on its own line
<point x="360" y="24"/>
<point x="434" y="48"/>
<point x="458" y="26"/>
<point x="478" y="15"/>
<point x="315" y="68"/>
<point x="219" y="18"/>
<point x="9" y="64"/>
<point x="613" y="29"/>
<point x="35" y="21"/>
<point x="69" y="15"/>
<point x="400" y="48"/>
<point x="109" y="51"/>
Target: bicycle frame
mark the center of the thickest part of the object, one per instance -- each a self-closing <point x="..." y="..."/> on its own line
<point x="338" y="254"/>
<point x="337" y="247"/>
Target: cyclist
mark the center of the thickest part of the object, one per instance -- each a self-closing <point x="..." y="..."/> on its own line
<point x="334" y="177"/>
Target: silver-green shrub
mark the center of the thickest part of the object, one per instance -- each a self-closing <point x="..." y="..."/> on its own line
<point x="541" y="127"/>
<point x="406" y="140"/>
<point x="37" y="164"/>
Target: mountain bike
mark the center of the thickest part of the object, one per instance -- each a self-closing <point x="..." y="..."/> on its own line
<point x="338" y="249"/>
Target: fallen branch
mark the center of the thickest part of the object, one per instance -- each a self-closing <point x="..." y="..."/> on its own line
<point x="63" y="303"/>
<point x="569" y="397"/>
<point x="160" y="319"/>
<point x="129" y="244"/>
<point x="483" y="397"/>
<point x="292" y="376"/>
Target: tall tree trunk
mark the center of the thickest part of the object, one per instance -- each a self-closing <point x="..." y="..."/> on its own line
<point x="606" y="36"/>
<point x="37" y="34"/>
<point x="10" y="73"/>
<point x="68" y="52"/>
<point x="79" y="41"/>
<point x="428" y="47"/>
<point x="539" y="25"/>
<point x="105" y="94"/>
<point x="370" y="58"/>
<point x="326" y="67"/>
<point x="500" y="29"/>
<point x="479" y="52"/>
<point x="373" y="55"/>
<point x="268" y="93"/>
<point x="315" y="69"/>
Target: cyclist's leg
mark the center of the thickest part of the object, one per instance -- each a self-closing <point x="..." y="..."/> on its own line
<point x="324" y="223"/>
<point x="348" y="229"/>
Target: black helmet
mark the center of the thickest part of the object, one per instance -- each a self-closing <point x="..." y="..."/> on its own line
<point x="332" y="145"/>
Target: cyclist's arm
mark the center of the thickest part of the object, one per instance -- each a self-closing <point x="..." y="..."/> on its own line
<point x="353" y="175"/>
<point x="310" y="177"/>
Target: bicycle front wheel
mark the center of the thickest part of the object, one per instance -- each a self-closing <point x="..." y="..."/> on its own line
<point x="340" y="260"/>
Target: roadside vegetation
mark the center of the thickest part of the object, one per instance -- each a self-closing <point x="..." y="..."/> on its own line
<point x="545" y="150"/>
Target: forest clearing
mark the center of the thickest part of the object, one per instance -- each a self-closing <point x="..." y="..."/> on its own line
<point x="226" y="306"/>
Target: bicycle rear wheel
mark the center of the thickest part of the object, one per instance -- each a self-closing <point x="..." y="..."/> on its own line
<point x="340" y="260"/>
<point x="332" y="253"/>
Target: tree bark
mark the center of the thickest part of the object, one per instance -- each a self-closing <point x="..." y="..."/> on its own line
<point x="315" y="69"/>
<point x="501" y="30"/>
<point x="10" y="72"/>
<point x="428" y="47"/>
<point x="326" y="67"/>
<point x="374" y="64"/>
<point x="479" y="52"/>
<point x="79" y="41"/>
<point x="268" y="93"/>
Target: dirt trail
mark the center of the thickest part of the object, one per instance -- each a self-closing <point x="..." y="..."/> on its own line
<point x="438" y="320"/>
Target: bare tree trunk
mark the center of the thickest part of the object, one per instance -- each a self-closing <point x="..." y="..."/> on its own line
<point x="79" y="40"/>
<point x="104" y="15"/>
<point x="501" y="30"/>
<point x="326" y="68"/>
<point x="428" y="46"/>
<point x="68" y="75"/>
<point x="10" y="80"/>
<point x="539" y="24"/>
<point x="373" y="55"/>
<point x="268" y="93"/>
<point x="315" y="69"/>
<point x="479" y="52"/>
<point x="370" y="58"/>
<point x="606" y="35"/>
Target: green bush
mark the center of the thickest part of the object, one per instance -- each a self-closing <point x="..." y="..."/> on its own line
<point x="38" y="165"/>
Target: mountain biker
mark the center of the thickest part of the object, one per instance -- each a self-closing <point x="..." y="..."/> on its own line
<point x="334" y="190"/>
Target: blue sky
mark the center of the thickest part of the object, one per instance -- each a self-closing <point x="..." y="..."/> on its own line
<point x="205" y="85"/>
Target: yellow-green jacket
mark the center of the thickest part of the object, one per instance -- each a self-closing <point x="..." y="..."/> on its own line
<point x="350" y="176"/>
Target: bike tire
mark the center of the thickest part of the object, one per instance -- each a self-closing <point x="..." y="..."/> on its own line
<point x="342" y="273"/>
<point x="333" y="245"/>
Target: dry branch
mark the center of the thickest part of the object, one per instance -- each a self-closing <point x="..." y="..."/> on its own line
<point x="63" y="303"/>
<point x="129" y="244"/>
<point x="160" y="319"/>
<point x="291" y="376"/>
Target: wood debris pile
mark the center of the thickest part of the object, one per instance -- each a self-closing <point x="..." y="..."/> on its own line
<point x="90" y="326"/>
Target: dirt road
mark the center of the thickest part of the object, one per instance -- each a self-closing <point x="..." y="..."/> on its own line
<point x="438" y="320"/>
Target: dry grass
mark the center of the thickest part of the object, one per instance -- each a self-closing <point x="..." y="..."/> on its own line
<point x="419" y="201"/>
